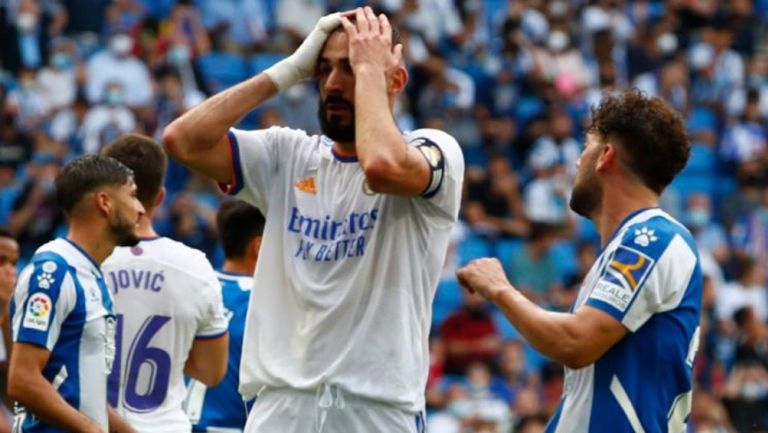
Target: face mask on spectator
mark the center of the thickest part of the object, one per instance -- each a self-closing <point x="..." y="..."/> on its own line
<point x="114" y="97"/>
<point x="26" y="22"/>
<point x="667" y="43"/>
<point x="61" y="60"/>
<point x="179" y="54"/>
<point x="558" y="41"/>
<point x="121" y="45"/>
<point x="699" y="217"/>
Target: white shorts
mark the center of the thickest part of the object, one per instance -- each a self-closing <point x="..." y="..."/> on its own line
<point x="285" y="410"/>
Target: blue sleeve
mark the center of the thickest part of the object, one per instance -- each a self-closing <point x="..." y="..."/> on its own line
<point x="38" y="314"/>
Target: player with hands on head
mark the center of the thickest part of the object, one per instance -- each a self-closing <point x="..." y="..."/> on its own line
<point x="358" y="221"/>
<point x="629" y="342"/>
<point x="63" y="314"/>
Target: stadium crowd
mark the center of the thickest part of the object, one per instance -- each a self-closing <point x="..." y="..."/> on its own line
<point x="513" y="81"/>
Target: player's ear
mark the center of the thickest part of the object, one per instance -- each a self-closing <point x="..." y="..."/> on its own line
<point x="103" y="202"/>
<point x="254" y="246"/>
<point x="607" y="156"/>
<point x="398" y="81"/>
<point x="160" y="197"/>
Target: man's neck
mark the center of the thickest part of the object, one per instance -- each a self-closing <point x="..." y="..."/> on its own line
<point x="239" y="266"/>
<point x="617" y="205"/>
<point x="345" y="149"/>
<point x="93" y="242"/>
<point x="144" y="229"/>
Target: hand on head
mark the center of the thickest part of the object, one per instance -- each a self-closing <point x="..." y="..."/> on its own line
<point x="370" y="41"/>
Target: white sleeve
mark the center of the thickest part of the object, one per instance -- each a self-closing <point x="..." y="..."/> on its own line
<point x="43" y="298"/>
<point x="212" y="322"/>
<point x="447" y="163"/>
<point x="256" y="159"/>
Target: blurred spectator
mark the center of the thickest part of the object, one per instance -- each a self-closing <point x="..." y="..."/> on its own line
<point x="25" y="41"/>
<point x="750" y="232"/>
<point x="746" y="393"/>
<point x="29" y="101"/>
<point x="513" y="377"/>
<point x="193" y="223"/>
<point x="36" y="217"/>
<point x="105" y="122"/>
<point x="244" y="24"/>
<point x="708" y="415"/>
<point x="533" y="271"/>
<point x="469" y="334"/>
<point x="494" y="206"/>
<point x="172" y="99"/>
<point x="710" y="236"/>
<point x="123" y="15"/>
<point x="58" y="80"/>
<point x="66" y="126"/>
<point x="531" y="424"/>
<point x="557" y="148"/>
<point x="118" y="65"/>
<point x="15" y="146"/>
<point x="747" y="289"/>
<point x="745" y="140"/>
<point x="182" y="37"/>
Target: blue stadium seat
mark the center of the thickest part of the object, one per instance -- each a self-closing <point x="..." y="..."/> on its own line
<point x="703" y="160"/>
<point x="262" y="61"/>
<point x="564" y="254"/>
<point x="687" y="184"/>
<point x="507" y="248"/>
<point x="473" y="247"/>
<point x="449" y="294"/>
<point x="222" y="70"/>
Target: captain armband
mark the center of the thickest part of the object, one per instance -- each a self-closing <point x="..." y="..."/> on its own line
<point x="436" y="162"/>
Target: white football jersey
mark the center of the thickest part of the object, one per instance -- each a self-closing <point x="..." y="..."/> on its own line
<point x="166" y="296"/>
<point x="346" y="277"/>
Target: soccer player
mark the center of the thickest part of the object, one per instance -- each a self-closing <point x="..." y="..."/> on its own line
<point x="170" y="317"/>
<point x="63" y="316"/>
<point x="358" y="224"/>
<point x="221" y="408"/>
<point x="9" y="256"/>
<point x="630" y="339"/>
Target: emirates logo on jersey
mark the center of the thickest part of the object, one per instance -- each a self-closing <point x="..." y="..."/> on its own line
<point x="306" y="185"/>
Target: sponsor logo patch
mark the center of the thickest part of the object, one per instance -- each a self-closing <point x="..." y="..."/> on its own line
<point x="38" y="312"/>
<point x="624" y="274"/>
<point x="307" y="185"/>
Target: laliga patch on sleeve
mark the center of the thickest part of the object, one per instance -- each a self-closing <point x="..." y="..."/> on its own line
<point x="625" y="273"/>
<point x="38" y="314"/>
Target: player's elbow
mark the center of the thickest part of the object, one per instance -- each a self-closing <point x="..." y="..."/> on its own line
<point x="574" y="357"/>
<point x="19" y="388"/>
<point x="378" y="174"/>
<point x="173" y="142"/>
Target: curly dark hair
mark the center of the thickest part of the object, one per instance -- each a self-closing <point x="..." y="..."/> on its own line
<point x="650" y="133"/>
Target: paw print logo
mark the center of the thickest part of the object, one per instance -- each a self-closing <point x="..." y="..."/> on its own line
<point x="45" y="280"/>
<point x="645" y="236"/>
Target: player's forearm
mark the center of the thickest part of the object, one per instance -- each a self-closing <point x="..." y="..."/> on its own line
<point x="117" y="424"/>
<point x="202" y="127"/>
<point x="548" y="332"/>
<point x="38" y="396"/>
<point x="379" y="143"/>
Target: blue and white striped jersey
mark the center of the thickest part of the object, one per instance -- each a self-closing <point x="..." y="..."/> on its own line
<point x="222" y="406"/>
<point x="61" y="302"/>
<point x="648" y="277"/>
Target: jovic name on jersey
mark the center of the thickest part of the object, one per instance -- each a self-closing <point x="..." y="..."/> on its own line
<point x="222" y="406"/>
<point x="166" y="296"/>
<point x="345" y="276"/>
<point x="648" y="277"/>
<point x="61" y="302"/>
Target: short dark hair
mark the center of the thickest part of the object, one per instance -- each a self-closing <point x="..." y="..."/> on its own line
<point x="651" y="135"/>
<point x="147" y="160"/>
<point x="4" y="233"/>
<point x="238" y="223"/>
<point x="84" y="174"/>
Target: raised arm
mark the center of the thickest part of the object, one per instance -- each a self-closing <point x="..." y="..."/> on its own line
<point x="575" y="340"/>
<point x="198" y="139"/>
<point x="390" y="164"/>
